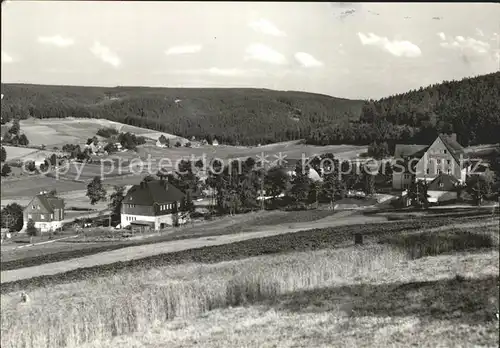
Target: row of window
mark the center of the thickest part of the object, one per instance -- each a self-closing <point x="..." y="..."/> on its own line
<point x="439" y="171"/>
<point x="166" y="206"/>
<point x="131" y="218"/>
<point x="42" y="216"/>
<point x="438" y="151"/>
<point x="162" y="206"/>
<point x="438" y="161"/>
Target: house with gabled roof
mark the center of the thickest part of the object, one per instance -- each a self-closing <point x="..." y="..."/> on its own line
<point x="420" y="162"/>
<point x="443" y="188"/>
<point x="152" y="205"/>
<point x="163" y="141"/>
<point x="46" y="211"/>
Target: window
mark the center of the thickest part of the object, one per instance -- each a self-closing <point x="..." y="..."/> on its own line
<point x="30" y="216"/>
<point x="444" y="151"/>
<point x="438" y="161"/>
<point x="51" y="216"/>
<point x="42" y="216"/>
<point x="33" y="206"/>
<point x="439" y="171"/>
<point x="448" y="161"/>
<point x="428" y="171"/>
<point x="441" y="184"/>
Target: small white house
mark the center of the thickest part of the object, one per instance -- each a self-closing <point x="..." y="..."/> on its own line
<point x="162" y="141"/>
<point x="215" y="142"/>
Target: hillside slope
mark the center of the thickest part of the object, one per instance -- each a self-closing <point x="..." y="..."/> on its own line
<point x="244" y="116"/>
<point x="469" y="107"/>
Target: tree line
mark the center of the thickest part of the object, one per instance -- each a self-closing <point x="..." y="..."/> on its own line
<point x="469" y="107"/>
<point x="236" y="187"/>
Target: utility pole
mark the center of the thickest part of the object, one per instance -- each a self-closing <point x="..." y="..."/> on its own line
<point x="263" y="178"/>
<point x="417" y="196"/>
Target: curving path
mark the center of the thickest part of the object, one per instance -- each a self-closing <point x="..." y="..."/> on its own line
<point x="142" y="251"/>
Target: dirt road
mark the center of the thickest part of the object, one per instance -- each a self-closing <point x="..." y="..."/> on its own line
<point x="142" y="251"/>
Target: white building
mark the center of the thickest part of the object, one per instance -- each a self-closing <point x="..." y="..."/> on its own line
<point x="152" y="205"/>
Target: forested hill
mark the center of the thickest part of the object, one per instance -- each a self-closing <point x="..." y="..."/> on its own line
<point x="234" y="116"/>
<point x="469" y="107"/>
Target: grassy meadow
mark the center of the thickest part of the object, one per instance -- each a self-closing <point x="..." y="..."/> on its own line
<point x="362" y="294"/>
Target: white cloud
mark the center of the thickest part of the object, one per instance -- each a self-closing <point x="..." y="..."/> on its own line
<point x="442" y="36"/>
<point x="467" y="45"/>
<point x="265" y="54"/>
<point x="307" y="60"/>
<point x="6" y="58"/>
<point x="105" y="54"/>
<point x="396" y="48"/>
<point x="184" y="49"/>
<point x="223" y="72"/>
<point x="266" y="27"/>
<point x="479" y="32"/>
<point x="57" y="40"/>
<point x="234" y="72"/>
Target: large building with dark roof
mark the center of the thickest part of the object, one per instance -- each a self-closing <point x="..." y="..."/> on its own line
<point x="152" y="205"/>
<point x="421" y="162"/>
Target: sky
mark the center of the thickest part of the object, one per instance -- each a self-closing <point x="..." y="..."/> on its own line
<point x="349" y="50"/>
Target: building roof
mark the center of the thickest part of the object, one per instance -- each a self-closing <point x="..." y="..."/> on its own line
<point x="403" y="150"/>
<point x="443" y="182"/>
<point x="163" y="139"/>
<point x="155" y="191"/>
<point x="50" y="203"/>
<point x="451" y="143"/>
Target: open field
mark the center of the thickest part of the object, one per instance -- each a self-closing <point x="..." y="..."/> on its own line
<point x="22" y="190"/>
<point x="87" y="171"/>
<point x="207" y="249"/>
<point x="373" y="295"/>
<point x="290" y="150"/>
<point x="269" y="222"/>
<point x="14" y="152"/>
<point x="245" y="223"/>
<point x="56" y="132"/>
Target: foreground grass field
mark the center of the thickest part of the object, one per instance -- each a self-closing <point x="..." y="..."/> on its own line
<point x="271" y="221"/>
<point x="363" y="295"/>
<point x="149" y="253"/>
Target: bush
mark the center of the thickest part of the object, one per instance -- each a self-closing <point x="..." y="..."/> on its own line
<point x="107" y="132"/>
<point x="6" y="170"/>
<point x="31" y="230"/>
<point x="110" y="148"/>
<point x="437" y="243"/>
<point x="30" y="166"/>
